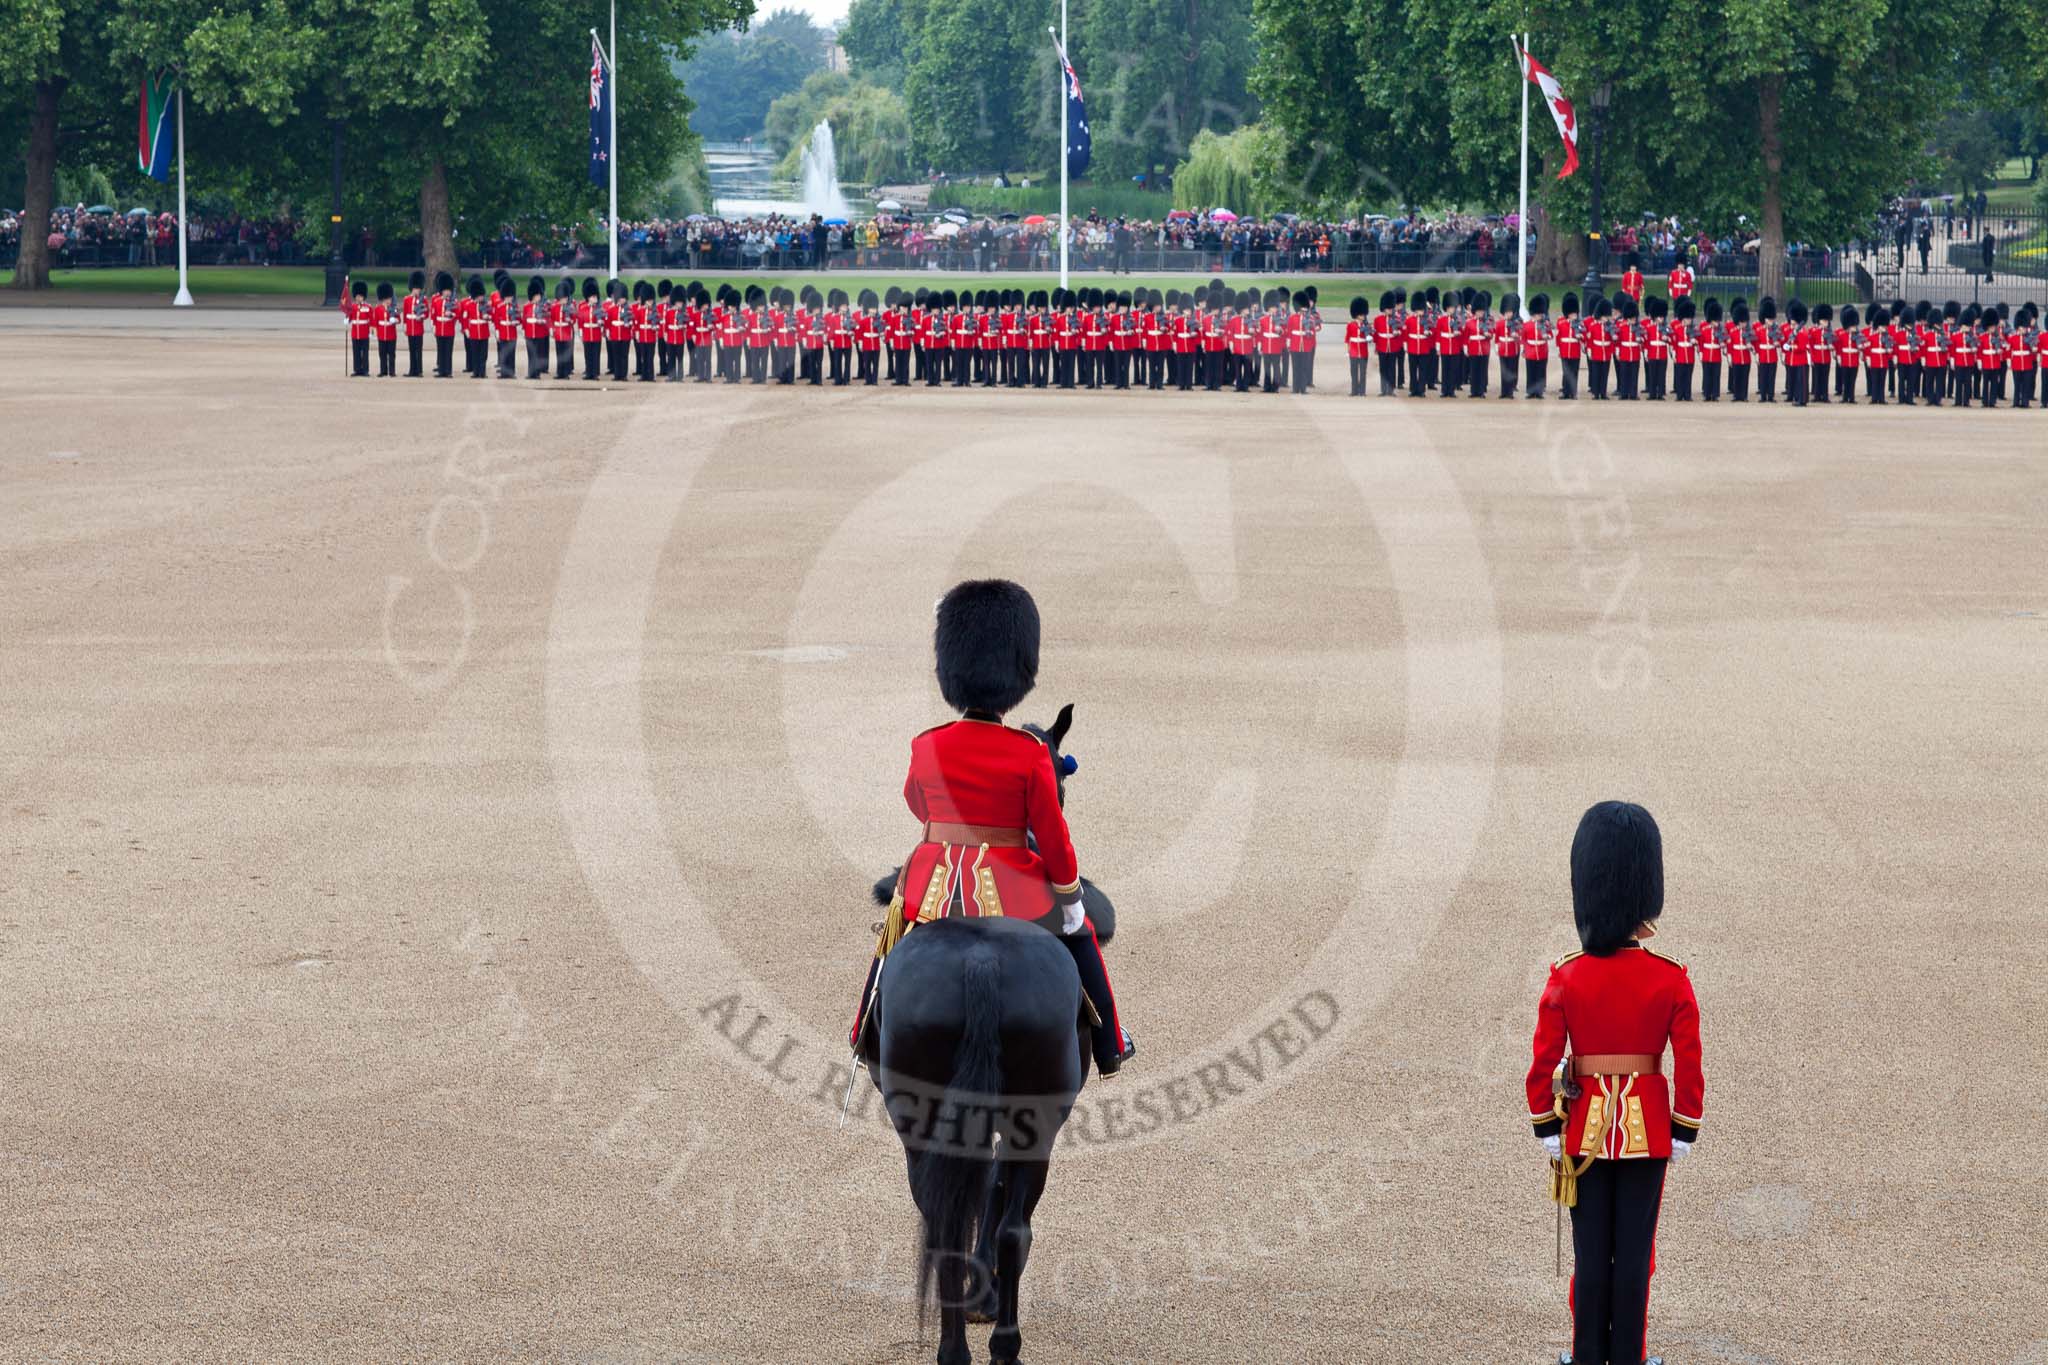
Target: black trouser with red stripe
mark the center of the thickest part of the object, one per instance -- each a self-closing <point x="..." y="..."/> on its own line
<point x="1614" y="1234"/>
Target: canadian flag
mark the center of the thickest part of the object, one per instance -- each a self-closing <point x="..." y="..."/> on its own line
<point x="1560" y="110"/>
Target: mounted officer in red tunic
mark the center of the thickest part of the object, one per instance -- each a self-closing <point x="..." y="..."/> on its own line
<point x="994" y="839"/>
<point x="1606" y="1113"/>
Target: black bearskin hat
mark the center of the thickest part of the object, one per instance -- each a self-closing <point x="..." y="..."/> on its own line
<point x="417" y="280"/>
<point x="360" y="290"/>
<point x="1848" y="316"/>
<point x="564" y="289"/>
<point x="1951" y="310"/>
<point x="1737" y="312"/>
<point x="502" y="282"/>
<point x="536" y="287"/>
<point x="1603" y="309"/>
<point x="615" y="289"/>
<point x="892" y="296"/>
<point x="589" y="287"/>
<point x="1713" y="310"/>
<point x="1386" y="300"/>
<point x="1431" y="296"/>
<point x="1685" y="309"/>
<point x="1468" y="296"/>
<point x="1629" y="309"/>
<point x="986" y="641"/>
<point x="665" y="289"/>
<point x="383" y="289"/>
<point x="1655" y="306"/>
<point x="1823" y="313"/>
<point x="1617" y="875"/>
<point x="1796" y="310"/>
<point x="868" y="299"/>
<point x="476" y="287"/>
<point x="1123" y="300"/>
<point x="1570" y="306"/>
<point x="1300" y="300"/>
<point x="1483" y="299"/>
<point x="836" y="299"/>
<point x="443" y="282"/>
<point x="1357" y="306"/>
<point x="643" y="291"/>
<point x="1539" y="307"/>
<point x="1508" y="303"/>
<point x="1768" y="309"/>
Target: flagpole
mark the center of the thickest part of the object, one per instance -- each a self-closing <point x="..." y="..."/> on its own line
<point x="184" y="297"/>
<point x="612" y="160"/>
<point x="1522" y="214"/>
<point x="1065" y="130"/>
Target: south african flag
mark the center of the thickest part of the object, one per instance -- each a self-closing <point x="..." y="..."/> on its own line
<point x="153" y="131"/>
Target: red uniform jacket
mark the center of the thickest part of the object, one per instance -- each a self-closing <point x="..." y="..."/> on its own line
<point x="1631" y="1001"/>
<point x="976" y="772"/>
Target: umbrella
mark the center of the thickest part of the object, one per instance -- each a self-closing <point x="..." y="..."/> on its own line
<point x="1179" y="213"/>
<point x="889" y="206"/>
<point x="947" y="228"/>
<point x="835" y="222"/>
<point x="101" y="208"/>
<point x="1035" y="220"/>
<point x="1223" y="216"/>
<point x="138" y="213"/>
<point x="1007" y="217"/>
<point x="698" y="218"/>
<point x="960" y="214"/>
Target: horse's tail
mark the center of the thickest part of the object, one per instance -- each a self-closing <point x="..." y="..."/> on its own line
<point x="949" y="1177"/>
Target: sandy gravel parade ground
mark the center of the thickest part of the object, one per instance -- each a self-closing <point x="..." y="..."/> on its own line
<point x="438" y="817"/>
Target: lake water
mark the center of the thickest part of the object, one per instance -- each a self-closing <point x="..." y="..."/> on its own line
<point x="743" y="184"/>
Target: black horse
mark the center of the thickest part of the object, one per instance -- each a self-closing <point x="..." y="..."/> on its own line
<point x="980" y="1052"/>
<point x="980" y="1048"/>
<point x="1101" y="913"/>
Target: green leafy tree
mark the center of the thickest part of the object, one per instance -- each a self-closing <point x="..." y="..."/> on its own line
<point x="877" y="36"/>
<point x="870" y="128"/>
<point x="1157" y="73"/>
<point x="733" y="77"/>
<point x="72" y="73"/>
<point x="979" y="88"/>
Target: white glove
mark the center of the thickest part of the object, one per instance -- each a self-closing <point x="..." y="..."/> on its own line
<point x="1072" y="917"/>
<point x="1679" y="1150"/>
<point x="1555" y="1146"/>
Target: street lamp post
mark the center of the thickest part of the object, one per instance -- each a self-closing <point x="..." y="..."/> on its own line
<point x="1602" y="94"/>
<point x="337" y="269"/>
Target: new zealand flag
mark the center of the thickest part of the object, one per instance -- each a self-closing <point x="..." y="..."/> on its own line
<point x="1077" y="119"/>
<point x="600" y="117"/>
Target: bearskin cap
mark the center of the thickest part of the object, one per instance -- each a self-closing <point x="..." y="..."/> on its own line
<point x="443" y="282"/>
<point x="589" y="287"/>
<point x="1654" y="306"/>
<point x="1767" y="309"/>
<point x="416" y="280"/>
<point x="1713" y="309"/>
<point x="836" y="299"/>
<point x="564" y="288"/>
<point x="536" y="287"/>
<point x="1539" y="307"/>
<point x="1603" y="309"/>
<point x="1617" y="875"/>
<point x="1823" y="312"/>
<point x="1300" y="300"/>
<point x="1431" y="296"/>
<point x="1848" y="316"/>
<point x="1358" y="308"/>
<point x="1509" y="302"/>
<point x="1570" y="304"/>
<point x="1951" y="310"/>
<point x="476" y="287"/>
<point x="1123" y="299"/>
<point x="383" y="289"/>
<point x="1796" y="310"/>
<point x="501" y="281"/>
<point x="1737" y="311"/>
<point x="1483" y="299"/>
<point x="986" y="642"/>
<point x="360" y="290"/>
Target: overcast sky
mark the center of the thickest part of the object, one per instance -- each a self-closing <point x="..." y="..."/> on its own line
<point x="828" y="13"/>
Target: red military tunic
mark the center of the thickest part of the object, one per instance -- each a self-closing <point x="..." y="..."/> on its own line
<point x="976" y="772"/>
<point x="1633" y="1001"/>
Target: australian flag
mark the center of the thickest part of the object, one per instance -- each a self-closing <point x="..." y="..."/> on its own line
<point x="1077" y="118"/>
<point x="600" y="116"/>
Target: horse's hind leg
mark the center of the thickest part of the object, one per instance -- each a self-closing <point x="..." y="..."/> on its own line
<point x="982" y="1307"/>
<point x="1023" y="1182"/>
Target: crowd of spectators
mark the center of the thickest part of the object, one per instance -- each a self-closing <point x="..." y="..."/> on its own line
<point x="97" y="235"/>
<point x="1179" y="240"/>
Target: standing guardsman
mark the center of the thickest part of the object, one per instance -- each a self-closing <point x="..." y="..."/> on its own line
<point x="1737" y="338"/>
<point x="1358" y="345"/>
<point x="474" y="313"/>
<point x="384" y="320"/>
<point x="441" y="317"/>
<point x="1712" y="344"/>
<point x="533" y="321"/>
<point x="1571" y="346"/>
<point x="505" y="318"/>
<point x="1536" y="348"/>
<point x="1765" y="335"/>
<point x="414" y="314"/>
<point x="590" y="328"/>
<point x="1632" y="280"/>
<point x="1656" y="350"/>
<point x="355" y="318"/>
<point x="1301" y="342"/>
<point x="1598" y="1096"/>
<point x="1599" y="347"/>
<point x="1685" y="349"/>
<point x="1507" y="345"/>
<point x="1680" y="280"/>
<point x="562" y="328"/>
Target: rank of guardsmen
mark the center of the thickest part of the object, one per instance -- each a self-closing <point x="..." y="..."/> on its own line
<point x="1446" y="343"/>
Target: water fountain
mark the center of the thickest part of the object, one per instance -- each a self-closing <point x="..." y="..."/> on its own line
<point x="820" y="179"/>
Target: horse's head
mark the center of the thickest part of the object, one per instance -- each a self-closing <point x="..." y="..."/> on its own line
<point x="1063" y="764"/>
